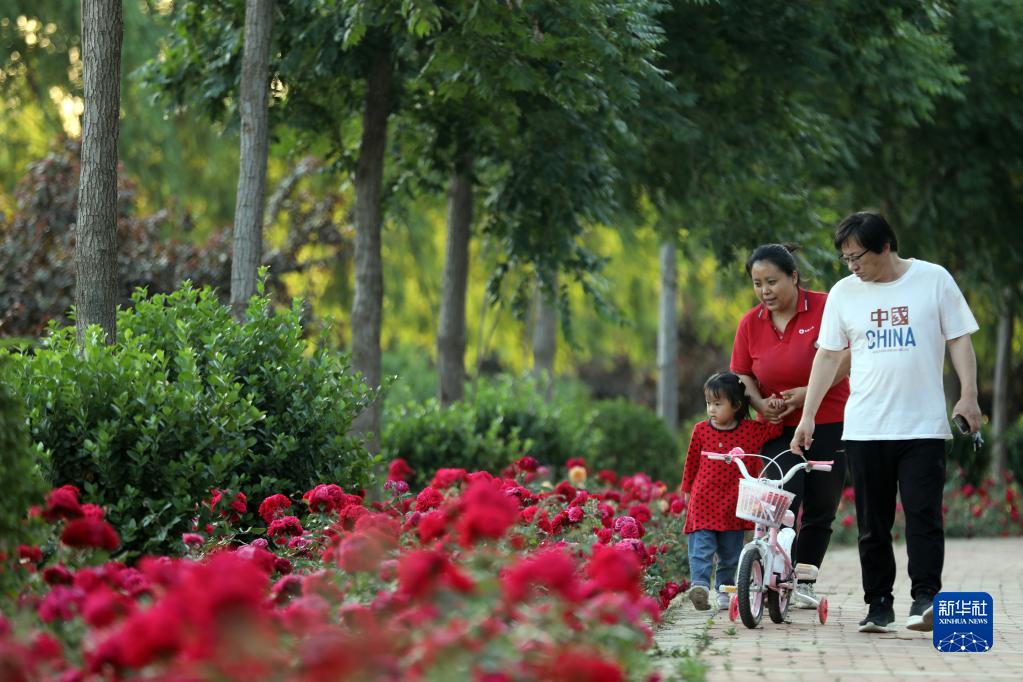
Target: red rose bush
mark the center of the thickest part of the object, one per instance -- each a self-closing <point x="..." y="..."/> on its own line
<point x="476" y="577"/>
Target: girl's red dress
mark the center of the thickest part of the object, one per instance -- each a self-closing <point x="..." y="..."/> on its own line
<point x="714" y="484"/>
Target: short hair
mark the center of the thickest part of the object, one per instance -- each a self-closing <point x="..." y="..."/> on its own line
<point x="779" y="255"/>
<point x="728" y="385"/>
<point x="871" y="230"/>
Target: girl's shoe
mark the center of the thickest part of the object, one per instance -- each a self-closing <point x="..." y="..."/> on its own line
<point x="806" y="598"/>
<point x="723" y="598"/>
<point x="699" y="595"/>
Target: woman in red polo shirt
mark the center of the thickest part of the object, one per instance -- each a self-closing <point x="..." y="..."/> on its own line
<point x="774" y="349"/>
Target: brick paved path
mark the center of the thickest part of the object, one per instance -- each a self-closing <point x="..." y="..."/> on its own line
<point x="803" y="649"/>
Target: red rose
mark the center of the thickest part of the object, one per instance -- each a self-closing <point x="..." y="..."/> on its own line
<point x="284" y="527"/>
<point x="640" y="512"/>
<point x="526" y="464"/>
<point x="399" y="470"/>
<point x="445" y="478"/>
<point x="428" y="498"/>
<point x="103" y="606"/>
<point x="575" y="462"/>
<point x="192" y="539"/>
<point x="580" y="666"/>
<point x="615" y="569"/>
<point x="552" y="569"/>
<point x="62" y="503"/>
<point x="30" y="554"/>
<point x="326" y="498"/>
<point x="604" y="535"/>
<point x="677" y="507"/>
<point x="57" y="575"/>
<point x="566" y="490"/>
<point x="419" y="573"/>
<point x="273" y="506"/>
<point x="487" y="512"/>
<point x="432" y="525"/>
<point x="86" y="532"/>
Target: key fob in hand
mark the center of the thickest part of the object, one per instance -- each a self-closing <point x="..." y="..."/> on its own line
<point x="961" y="424"/>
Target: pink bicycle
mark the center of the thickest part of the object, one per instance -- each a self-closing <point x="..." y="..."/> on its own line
<point x="765" y="565"/>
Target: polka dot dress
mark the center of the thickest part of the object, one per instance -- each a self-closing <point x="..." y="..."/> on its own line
<point x="714" y="485"/>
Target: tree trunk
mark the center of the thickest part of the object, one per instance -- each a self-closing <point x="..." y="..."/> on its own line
<point x="545" y="335"/>
<point x="667" y="339"/>
<point x="96" y="230"/>
<point x="248" y="210"/>
<point x="451" y="328"/>
<point x="369" y="278"/>
<point x="1000" y="406"/>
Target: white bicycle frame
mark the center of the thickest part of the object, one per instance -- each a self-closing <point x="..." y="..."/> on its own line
<point x="773" y="557"/>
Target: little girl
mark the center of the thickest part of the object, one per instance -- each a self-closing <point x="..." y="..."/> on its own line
<point x="711" y="487"/>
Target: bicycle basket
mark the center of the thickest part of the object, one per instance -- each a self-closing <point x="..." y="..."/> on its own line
<point x="762" y="503"/>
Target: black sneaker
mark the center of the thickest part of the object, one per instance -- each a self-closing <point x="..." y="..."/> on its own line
<point x="921" y="614"/>
<point x="879" y="617"/>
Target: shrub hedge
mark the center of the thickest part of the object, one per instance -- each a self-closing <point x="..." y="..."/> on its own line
<point x="188" y="400"/>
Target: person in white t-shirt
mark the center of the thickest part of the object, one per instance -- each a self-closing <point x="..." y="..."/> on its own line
<point x="896" y="316"/>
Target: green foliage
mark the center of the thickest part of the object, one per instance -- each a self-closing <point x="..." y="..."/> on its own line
<point x="20" y="464"/>
<point x="430" y="437"/>
<point x="189" y="400"/>
<point x="633" y="439"/>
<point x="502" y="420"/>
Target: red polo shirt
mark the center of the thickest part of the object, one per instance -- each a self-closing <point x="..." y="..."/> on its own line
<point x="783" y="361"/>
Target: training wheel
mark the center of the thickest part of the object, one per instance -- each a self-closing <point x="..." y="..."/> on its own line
<point x="733" y="608"/>
<point x="822" y="610"/>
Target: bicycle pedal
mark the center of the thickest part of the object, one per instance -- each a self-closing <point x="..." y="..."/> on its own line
<point x="806" y="572"/>
<point x="728" y="589"/>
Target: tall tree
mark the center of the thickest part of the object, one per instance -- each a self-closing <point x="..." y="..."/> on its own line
<point x="451" y="325"/>
<point x="667" y="338"/>
<point x="545" y="332"/>
<point x="96" y="238"/>
<point x="367" y="310"/>
<point x="1003" y="366"/>
<point x="763" y="100"/>
<point x="255" y="136"/>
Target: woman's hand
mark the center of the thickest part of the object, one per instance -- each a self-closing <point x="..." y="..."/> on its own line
<point x="771" y="407"/>
<point x="793" y="400"/>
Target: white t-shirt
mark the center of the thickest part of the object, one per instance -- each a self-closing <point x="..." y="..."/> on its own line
<point x="897" y="333"/>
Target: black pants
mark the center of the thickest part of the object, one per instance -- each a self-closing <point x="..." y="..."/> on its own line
<point x="915" y="469"/>
<point x="817" y="493"/>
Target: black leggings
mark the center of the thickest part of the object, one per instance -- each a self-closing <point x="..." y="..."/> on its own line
<point x="818" y="495"/>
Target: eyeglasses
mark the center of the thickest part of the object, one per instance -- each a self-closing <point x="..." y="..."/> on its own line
<point x="849" y="260"/>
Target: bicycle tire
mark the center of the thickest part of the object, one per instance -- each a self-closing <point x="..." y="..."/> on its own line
<point x="749" y="589"/>
<point x="778" y="605"/>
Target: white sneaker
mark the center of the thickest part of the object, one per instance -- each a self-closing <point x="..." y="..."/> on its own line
<point x="699" y="595"/>
<point x="723" y="599"/>
<point x="806" y="598"/>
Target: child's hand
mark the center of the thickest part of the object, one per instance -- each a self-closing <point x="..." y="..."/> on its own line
<point x="775" y="409"/>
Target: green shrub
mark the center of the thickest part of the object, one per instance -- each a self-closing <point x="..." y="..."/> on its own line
<point x="633" y="439"/>
<point x="24" y="484"/>
<point x="188" y="400"/>
<point x="429" y="437"/>
<point x="500" y="420"/>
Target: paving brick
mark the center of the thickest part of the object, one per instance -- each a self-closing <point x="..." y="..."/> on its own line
<point x="836" y="651"/>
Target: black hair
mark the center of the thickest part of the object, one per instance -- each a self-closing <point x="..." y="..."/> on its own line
<point x="779" y="255"/>
<point x="728" y="385"/>
<point x="871" y="230"/>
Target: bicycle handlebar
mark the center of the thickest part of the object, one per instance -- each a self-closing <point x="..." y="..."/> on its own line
<point x="808" y="465"/>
